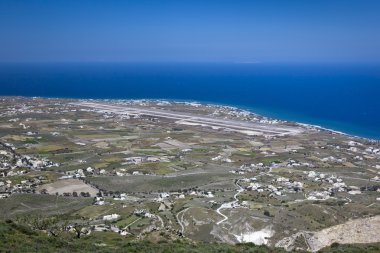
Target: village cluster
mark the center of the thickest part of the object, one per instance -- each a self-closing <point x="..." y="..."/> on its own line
<point x="164" y="169"/>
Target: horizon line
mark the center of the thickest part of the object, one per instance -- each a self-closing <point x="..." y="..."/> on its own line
<point x="196" y="62"/>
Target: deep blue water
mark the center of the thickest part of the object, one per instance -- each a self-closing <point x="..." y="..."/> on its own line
<point x="341" y="97"/>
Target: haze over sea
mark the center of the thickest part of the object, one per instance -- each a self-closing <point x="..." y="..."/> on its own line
<point x="342" y="97"/>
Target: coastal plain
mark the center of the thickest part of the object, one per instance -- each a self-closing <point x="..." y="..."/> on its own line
<point x="164" y="170"/>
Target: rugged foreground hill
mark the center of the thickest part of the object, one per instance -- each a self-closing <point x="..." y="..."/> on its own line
<point x="18" y="238"/>
<point x="103" y="175"/>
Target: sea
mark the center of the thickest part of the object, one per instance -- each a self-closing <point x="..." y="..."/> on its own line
<point x="342" y="97"/>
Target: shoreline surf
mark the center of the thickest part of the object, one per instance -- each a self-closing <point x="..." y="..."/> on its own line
<point x="204" y="103"/>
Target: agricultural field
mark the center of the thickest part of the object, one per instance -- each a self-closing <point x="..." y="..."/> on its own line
<point x="147" y="171"/>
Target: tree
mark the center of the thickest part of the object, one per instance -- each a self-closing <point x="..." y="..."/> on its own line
<point x="57" y="228"/>
<point x="36" y="222"/>
<point x="80" y="228"/>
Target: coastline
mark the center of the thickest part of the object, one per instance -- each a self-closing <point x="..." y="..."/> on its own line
<point x="158" y="155"/>
<point x="210" y="103"/>
<point x="243" y="108"/>
<point x="327" y="95"/>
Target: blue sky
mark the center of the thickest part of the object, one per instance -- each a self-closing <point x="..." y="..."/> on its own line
<point x="190" y="31"/>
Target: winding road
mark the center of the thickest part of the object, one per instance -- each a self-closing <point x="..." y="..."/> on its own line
<point x="180" y="220"/>
<point x="231" y="204"/>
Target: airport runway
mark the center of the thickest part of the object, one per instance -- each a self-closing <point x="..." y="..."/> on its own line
<point x="192" y="119"/>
